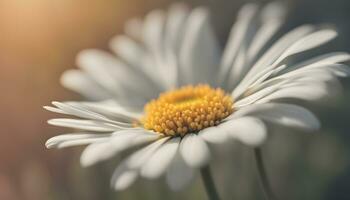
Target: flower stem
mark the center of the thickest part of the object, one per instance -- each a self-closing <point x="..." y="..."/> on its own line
<point x="262" y="175"/>
<point x="209" y="183"/>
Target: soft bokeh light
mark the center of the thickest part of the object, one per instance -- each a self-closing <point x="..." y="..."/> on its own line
<point x="39" y="39"/>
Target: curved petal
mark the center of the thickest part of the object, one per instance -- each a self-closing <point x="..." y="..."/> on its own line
<point x="281" y="113"/>
<point x="194" y="151"/>
<point x="175" y="25"/>
<point x="213" y="135"/>
<point x="322" y="61"/>
<point x="248" y="130"/>
<point x="153" y="31"/>
<point x="305" y="91"/>
<point x="88" y="125"/>
<point x="236" y="38"/>
<point x="96" y="152"/>
<point x="75" y="139"/>
<point x="199" y="53"/>
<point x="272" y="16"/>
<point x="179" y="175"/>
<point x="253" y="29"/>
<point x="307" y="42"/>
<point x="161" y="159"/>
<point x="270" y="56"/>
<point x="123" y="177"/>
<point x="137" y="159"/>
<point x="118" y="142"/>
<point x="133" y="27"/>
<point x="110" y="109"/>
<point x="116" y="77"/>
<point x="83" y="84"/>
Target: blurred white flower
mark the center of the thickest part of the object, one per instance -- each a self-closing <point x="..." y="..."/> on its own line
<point x="176" y="54"/>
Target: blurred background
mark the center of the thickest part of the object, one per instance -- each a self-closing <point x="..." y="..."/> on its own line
<point x="39" y="40"/>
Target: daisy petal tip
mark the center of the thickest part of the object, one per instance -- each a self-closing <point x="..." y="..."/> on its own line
<point x="161" y="159"/>
<point x="213" y="135"/>
<point x="57" y="103"/>
<point x="86" y="162"/>
<point x="51" y="121"/>
<point x="88" y="56"/>
<point x="48" y="108"/>
<point x="49" y="144"/>
<point x="260" y="135"/>
<point x="316" y="126"/>
<point x="195" y="151"/>
<point x="53" y="142"/>
<point x="124" y="180"/>
<point x="332" y="33"/>
<point x="248" y="130"/>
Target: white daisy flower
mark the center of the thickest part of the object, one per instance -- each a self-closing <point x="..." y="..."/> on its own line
<point x="171" y="90"/>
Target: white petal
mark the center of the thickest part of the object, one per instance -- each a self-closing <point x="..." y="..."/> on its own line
<point x="285" y="114"/>
<point x="305" y="43"/>
<point x="270" y="56"/>
<point x="96" y="152"/>
<point x="261" y="77"/>
<point x="82" y="110"/>
<point x="123" y="177"/>
<point x="194" y="151"/>
<point x="74" y="139"/>
<point x="236" y="37"/>
<point x="110" y="110"/>
<point x="318" y="73"/>
<point x="239" y="68"/>
<point x="78" y="111"/>
<point x="179" y="175"/>
<point x="99" y="66"/>
<point x="133" y="27"/>
<point x="272" y="17"/>
<point x="118" y="142"/>
<point x="137" y="159"/>
<point x="80" y="82"/>
<point x="161" y="159"/>
<point x="152" y="32"/>
<point x="252" y="98"/>
<point x="213" y="135"/>
<point x="249" y="130"/>
<point x="310" y="92"/>
<point x="53" y="109"/>
<point x="279" y="47"/>
<point x="262" y="37"/>
<point x="308" y="42"/>
<point x="199" y="51"/>
<point x="175" y="25"/>
<point x="89" y="125"/>
<point x="129" y="50"/>
<point x="320" y="61"/>
<point x="128" y="138"/>
<point x="340" y="70"/>
<point x="115" y="76"/>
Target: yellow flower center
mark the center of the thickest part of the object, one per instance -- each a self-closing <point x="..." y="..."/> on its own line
<point x="187" y="110"/>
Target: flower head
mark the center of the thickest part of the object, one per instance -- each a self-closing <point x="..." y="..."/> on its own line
<point x="171" y="90"/>
<point x="187" y="110"/>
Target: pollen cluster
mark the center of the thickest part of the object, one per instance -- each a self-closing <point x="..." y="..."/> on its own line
<point x="187" y="110"/>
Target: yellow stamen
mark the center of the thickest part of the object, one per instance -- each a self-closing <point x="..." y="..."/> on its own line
<point x="187" y="110"/>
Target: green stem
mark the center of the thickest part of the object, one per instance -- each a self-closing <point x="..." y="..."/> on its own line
<point x="209" y="184"/>
<point x="263" y="176"/>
